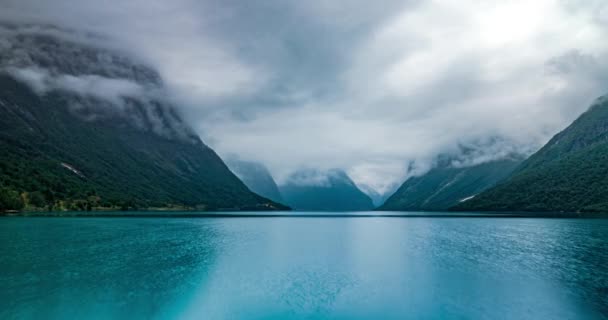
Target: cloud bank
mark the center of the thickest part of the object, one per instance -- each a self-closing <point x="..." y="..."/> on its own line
<point x="94" y="86"/>
<point x="363" y="86"/>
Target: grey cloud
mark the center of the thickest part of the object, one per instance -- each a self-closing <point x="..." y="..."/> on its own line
<point x="581" y="76"/>
<point x="36" y="79"/>
<point x="309" y="178"/>
<point x="113" y="90"/>
<point x="96" y="84"/>
<point x="377" y="89"/>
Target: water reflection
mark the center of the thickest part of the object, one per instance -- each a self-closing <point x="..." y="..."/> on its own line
<point x="100" y="269"/>
<point x="304" y="268"/>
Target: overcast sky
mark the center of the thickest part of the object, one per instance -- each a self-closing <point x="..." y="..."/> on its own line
<point x="366" y="86"/>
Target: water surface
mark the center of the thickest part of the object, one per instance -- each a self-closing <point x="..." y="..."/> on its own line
<point x="303" y="268"/>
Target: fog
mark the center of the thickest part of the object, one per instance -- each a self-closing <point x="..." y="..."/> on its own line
<point x="378" y="89"/>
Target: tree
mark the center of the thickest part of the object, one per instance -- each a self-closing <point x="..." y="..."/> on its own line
<point x="10" y="199"/>
<point x="37" y="199"/>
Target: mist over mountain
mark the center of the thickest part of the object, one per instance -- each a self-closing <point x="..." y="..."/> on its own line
<point x="570" y="173"/>
<point x="256" y="177"/>
<point x="449" y="183"/>
<point x="303" y="159"/>
<point x="379" y="198"/>
<point x="100" y="84"/>
<point x="331" y="190"/>
<point x="85" y="127"/>
<point x="364" y="87"/>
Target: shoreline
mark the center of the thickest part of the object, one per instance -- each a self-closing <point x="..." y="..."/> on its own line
<point x="295" y="214"/>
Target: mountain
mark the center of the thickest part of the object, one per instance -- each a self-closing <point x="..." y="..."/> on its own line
<point x="256" y="177"/>
<point x="570" y="173"/>
<point x="89" y="128"/>
<point x="447" y="184"/>
<point x="324" y="191"/>
<point x="378" y="198"/>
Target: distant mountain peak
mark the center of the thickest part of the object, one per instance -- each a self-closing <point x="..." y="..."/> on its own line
<point x="320" y="178"/>
<point x="256" y="177"/>
<point x="324" y="190"/>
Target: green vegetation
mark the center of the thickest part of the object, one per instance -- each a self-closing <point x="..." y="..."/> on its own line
<point x="10" y="200"/>
<point x="53" y="159"/>
<point x="445" y="186"/>
<point x="570" y="173"/>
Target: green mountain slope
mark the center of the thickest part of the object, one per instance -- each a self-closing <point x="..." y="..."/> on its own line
<point x="445" y="185"/>
<point x="256" y="177"/>
<point x="324" y="191"/>
<point x="570" y="173"/>
<point x="75" y="136"/>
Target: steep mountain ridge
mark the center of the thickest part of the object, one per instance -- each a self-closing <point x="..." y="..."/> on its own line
<point x="446" y="185"/>
<point x="569" y="173"/>
<point x="84" y="128"/>
<point x="256" y="177"/>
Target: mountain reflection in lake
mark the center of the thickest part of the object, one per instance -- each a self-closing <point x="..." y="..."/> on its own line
<point x="303" y="268"/>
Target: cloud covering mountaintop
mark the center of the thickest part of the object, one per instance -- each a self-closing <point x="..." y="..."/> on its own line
<point x="367" y="87"/>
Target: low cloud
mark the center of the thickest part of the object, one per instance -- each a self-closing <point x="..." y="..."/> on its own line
<point x="377" y="89"/>
<point x="309" y="178"/>
<point x="112" y="90"/>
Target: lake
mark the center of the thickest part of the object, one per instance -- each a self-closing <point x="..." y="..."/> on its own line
<point x="303" y="268"/>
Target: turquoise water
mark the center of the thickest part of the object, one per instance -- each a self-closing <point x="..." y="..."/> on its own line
<point x="303" y="268"/>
